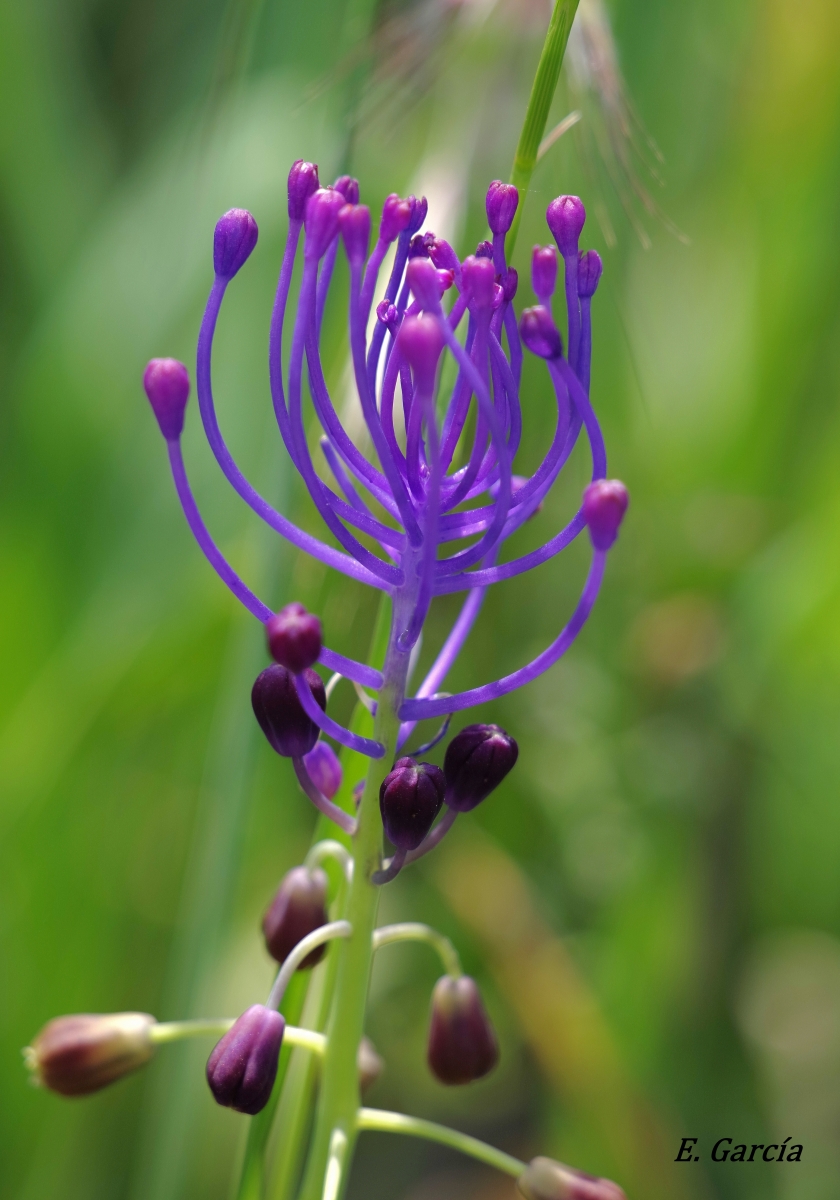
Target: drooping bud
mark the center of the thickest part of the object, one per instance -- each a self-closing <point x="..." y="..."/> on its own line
<point x="349" y="188"/>
<point x="233" y="240"/>
<point x="280" y="713"/>
<point x="369" y="1064"/>
<point x="424" y="281"/>
<point x="299" y="908"/>
<point x="462" y="1044"/>
<point x="354" y="223"/>
<point x="324" y="768"/>
<point x="396" y="216"/>
<point x="442" y="254"/>
<point x="80" y="1054"/>
<point x="543" y="272"/>
<point x="566" y="216"/>
<point x="303" y="181"/>
<point x="510" y="284"/>
<point x="545" y="1179"/>
<point x="589" y="273"/>
<point x="410" y="798"/>
<point x="167" y="384"/>
<point x="479" y="278"/>
<point x="321" y="220"/>
<point x="243" y="1066"/>
<point x="476" y="761"/>
<point x="418" y="215"/>
<point x="604" y="504"/>
<point x="420" y="339"/>
<point x="294" y="637"/>
<point x="418" y="247"/>
<point x="501" y="203"/>
<point x="484" y="250"/>
<point x="539" y="333"/>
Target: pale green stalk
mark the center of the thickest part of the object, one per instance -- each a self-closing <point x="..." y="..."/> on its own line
<point x="391" y="1122"/>
<point x="414" y="931"/>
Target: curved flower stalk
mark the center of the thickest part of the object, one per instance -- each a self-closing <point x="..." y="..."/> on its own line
<point x="428" y="513"/>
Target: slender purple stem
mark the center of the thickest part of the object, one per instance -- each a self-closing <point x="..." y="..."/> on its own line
<point x="353" y="741"/>
<point x="325" y="806"/>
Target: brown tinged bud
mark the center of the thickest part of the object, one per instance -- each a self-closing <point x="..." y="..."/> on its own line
<point x="80" y="1054"/>
<point x="369" y="1064"/>
<point x="545" y="1179"/>
<point x="294" y="638"/>
<point x="462" y="1044"/>
<point x="299" y="908"/>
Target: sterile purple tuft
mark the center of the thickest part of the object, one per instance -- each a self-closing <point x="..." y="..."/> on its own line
<point x="604" y="504"/>
<point x="501" y="204"/>
<point x="167" y="384"/>
<point x="303" y="181"/>
<point x="539" y="333"/>
<point x="234" y="239"/>
<point x="589" y="273"/>
<point x="566" y="216"/>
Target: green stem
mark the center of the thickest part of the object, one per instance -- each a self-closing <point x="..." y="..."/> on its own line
<point x="414" y="931"/>
<point x="174" y="1031"/>
<point x="536" y="117"/>
<point x="391" y="1122"/>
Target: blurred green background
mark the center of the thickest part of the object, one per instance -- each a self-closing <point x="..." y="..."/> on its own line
<point x="652" y="900"/>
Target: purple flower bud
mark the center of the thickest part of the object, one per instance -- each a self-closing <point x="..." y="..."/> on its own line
<point x="243" y="1066"/>
<point x="544" y="1179"/>
<point x="510" y="284"/>
<point x="299" y="908"/>
<point x="462" y="1044"/>
<point x="604" y="505"/>
<point x="410" y="798"/>
<point x="479" y="279"/>
<point x="321" y="220"/>
<point x="80" y="1054"/>
<point x="501" y="203"/>
<point x="425" y="283"/>
<point x="167" y="384"/>
<point x="420" y="339"/>
<point x="484" y="250"/>
<point x="539" y="333"/>
<point x="418" y="247"/>
<point x="234" y="239"/>
<point x="303" y="181"/>
<point x="566" y="216"/>
<point x="477" y="760"/>
<point x="354" y="223"/>
<point x="418" y="213"/>
<point x="349" y="188"/>
<point x="280" y="713"/>
<point x="294" y="638"/>
<point x="543" y="272"/>
<point x="324" y="768"/>
<point x="396" y="216"/>
<point x="442" y="254"/>
<point x="388" y="314"/>
<point x="589" y="273"/>
<point x="369" y="1064"/>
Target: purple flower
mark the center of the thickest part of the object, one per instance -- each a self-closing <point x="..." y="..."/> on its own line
<point x="462" y="1044"/>
<point x="477" y="760"/>
<point x="282" y="717"/>
<point x="299" y="908"/>
<point x="294" y="638"/>
<point x="80" y="1054"/>
<point x="544" y="1179"/>
<point x="324" y="768"/>
<point x="243" y="1066"/>
<point x="167" y="384"/>
<point x="604" y="505"/>
<point x="410" y="798"/>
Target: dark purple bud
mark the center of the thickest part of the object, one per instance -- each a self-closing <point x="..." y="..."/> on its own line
<point x="604" y="505"/>
<point x="442" y="254"/>
<point x="81" y="1054"/>
<point x="234" y="239"/>
<point x="484" y="250"/>
<point x="543" y="272"/>
<point x="462" y="1044"/>
<point x="425" y="283"/>
<point x="167" y="384"/>
<point x="369" y="1064"/>
<point x="243" y="1066"/>
<point x="539" y="333"/>
<point x="294" y="638"/>
<point x="388" y="314"/>
<point x="410" y="798"/>
<point x="349" y="188"/>
<point x="299" y="908"/>
<point x="589" y="273"/>
<point x="324" y="768"/>
<point x="418" y="214"/>
<point x="280" y="713"/>
<point x="420" y="339"/>
<point x="479" y="280"/>
<point x="303" y="181"/>
<point x="354" y="223"/>
<point x="477" y="760"/>
<point x="417" y="247"/>
<point x="566" y="216"/>
<point x="510" y="284"/>
<point x="321" y="220"/>
<point x="396" y="216"/>
<point x="502" y="199"/>
<point x="545" y="1179"/>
